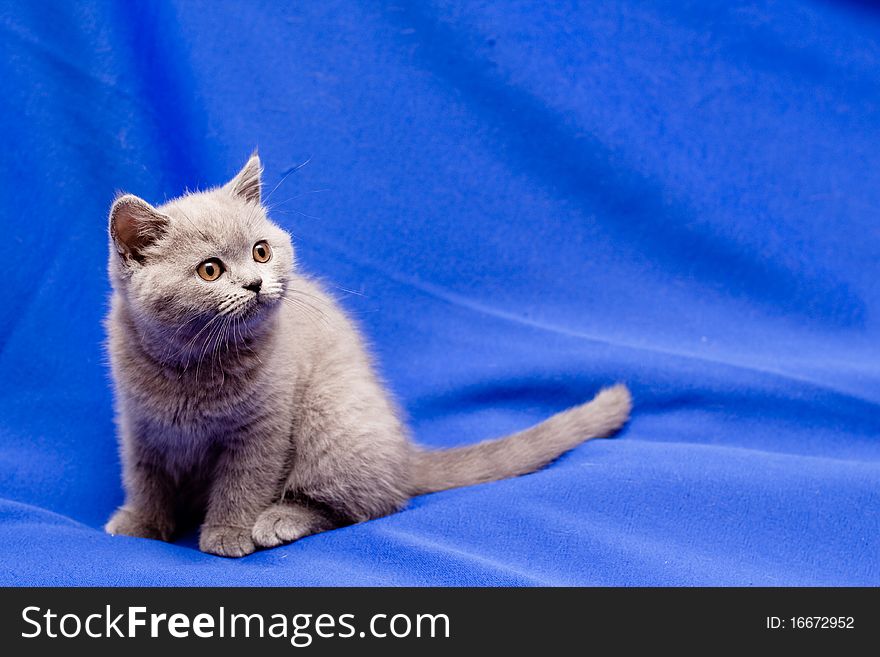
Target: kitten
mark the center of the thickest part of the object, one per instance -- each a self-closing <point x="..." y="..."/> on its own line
<point x="245" y="397"/>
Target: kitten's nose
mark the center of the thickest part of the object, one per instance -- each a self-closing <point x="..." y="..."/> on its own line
<point x="254" y="285"/>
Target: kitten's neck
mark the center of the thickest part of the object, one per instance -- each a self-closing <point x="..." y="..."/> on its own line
<point x="211" y="348"/>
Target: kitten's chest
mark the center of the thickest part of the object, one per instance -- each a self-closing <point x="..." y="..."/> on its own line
<point x="185" y="454"/>
<point x="205" y="407"/>
<point x="189" y="429"/>
<point x="190" y="412"/>
<point x="189" y="409"/>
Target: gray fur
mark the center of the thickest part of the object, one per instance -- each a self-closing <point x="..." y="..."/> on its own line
<point x="259" y="414"/>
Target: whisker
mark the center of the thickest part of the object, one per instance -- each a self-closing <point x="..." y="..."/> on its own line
<point x="275" y="206"/>
<point x="310" y="311"/>
<point x="284" y="177"/>
<point x="297" y="290"/>
<point x="192" y="340"/>
<point x="166" y="356"/>
<point x="204" y="351"/>
<point x="345" y="289"/>
<point x="245" y="344"/>
<point x="229" y="303"/>
<point x="218" y="349"/>
<point x="238" y="338"/>
<point x="307" y="216"/>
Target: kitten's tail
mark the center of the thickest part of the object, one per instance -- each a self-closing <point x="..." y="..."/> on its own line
<point x="522" y="452"/>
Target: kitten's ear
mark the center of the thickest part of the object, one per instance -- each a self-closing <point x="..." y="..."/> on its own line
<point x="248" y="182"/>
<point x="135" y="225"/>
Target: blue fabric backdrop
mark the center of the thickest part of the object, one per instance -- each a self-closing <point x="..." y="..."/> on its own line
<point x="531" y="200"/>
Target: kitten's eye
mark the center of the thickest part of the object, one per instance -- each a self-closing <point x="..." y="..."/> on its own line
<point x="210" y="269"/>
<point x="262" y="252"/>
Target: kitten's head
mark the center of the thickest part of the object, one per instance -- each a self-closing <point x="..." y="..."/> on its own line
<point x="203" y="255"/>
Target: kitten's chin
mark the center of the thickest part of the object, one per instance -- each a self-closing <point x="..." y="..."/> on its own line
<point x="258" y="310"/>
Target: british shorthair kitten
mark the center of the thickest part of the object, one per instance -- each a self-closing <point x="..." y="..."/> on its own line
<point x="245" y="398"/>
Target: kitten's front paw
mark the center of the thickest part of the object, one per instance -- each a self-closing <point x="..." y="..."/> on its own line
<point x="129" y="523"/>
<point x="281" y="523"/>
<point x="226" y="541"/>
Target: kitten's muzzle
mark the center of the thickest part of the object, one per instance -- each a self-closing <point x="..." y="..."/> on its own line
<point x="254" y="285"/>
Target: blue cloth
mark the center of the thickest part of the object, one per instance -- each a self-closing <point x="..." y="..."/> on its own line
<point x="519" y="202"/>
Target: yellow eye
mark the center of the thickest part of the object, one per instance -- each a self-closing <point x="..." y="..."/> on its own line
<point x="262" y="252"/>
<point x="210" y="269"/>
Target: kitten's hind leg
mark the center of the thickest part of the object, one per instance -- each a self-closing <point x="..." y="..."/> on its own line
<point x="288" y="521"/>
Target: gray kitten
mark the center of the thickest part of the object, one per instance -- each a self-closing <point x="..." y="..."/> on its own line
<point x="245" y="397"/>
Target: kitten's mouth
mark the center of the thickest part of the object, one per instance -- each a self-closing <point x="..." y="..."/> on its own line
<point x="252" y="307"/>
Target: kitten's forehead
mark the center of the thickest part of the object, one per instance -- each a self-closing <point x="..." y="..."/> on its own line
<point x="214" y="217"/>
